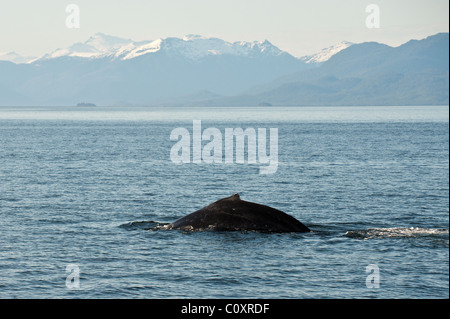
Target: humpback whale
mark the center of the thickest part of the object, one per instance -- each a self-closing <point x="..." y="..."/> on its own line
<point x="232" y="213"/>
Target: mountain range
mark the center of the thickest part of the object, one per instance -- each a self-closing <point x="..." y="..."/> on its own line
<point x="196" y="70"/>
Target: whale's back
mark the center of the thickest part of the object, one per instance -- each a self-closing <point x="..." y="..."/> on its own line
<point x="232" y="213"/>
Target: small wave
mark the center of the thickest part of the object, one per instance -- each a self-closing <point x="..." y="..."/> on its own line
<point x="144" y="225"/>
<point x="395" y="232"/>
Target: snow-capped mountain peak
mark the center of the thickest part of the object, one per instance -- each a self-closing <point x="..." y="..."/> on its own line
<point x="327" y="53"/>
<point x="97" y="46"/>
<point x="14" y="57"/>
<point x="104" y="42"/>
<point x="190" y="46"/>
<point x="197" y="47"/>
<point x="191" y="37"/>
<point x="134" y="50"/>
<point x="264" y="47"/>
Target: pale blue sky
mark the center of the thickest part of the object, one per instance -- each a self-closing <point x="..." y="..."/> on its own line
<point x="32" y="27"/>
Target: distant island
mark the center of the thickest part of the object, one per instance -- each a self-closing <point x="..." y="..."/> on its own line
<point x="86" y="104"/>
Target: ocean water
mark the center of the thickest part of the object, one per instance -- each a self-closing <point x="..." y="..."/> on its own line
<point x="84" y="193"/>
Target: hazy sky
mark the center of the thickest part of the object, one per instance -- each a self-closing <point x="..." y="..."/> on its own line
<point x="32" y="27"/>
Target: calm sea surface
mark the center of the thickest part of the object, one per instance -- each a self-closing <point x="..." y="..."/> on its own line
<point x="84" y="193"/>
